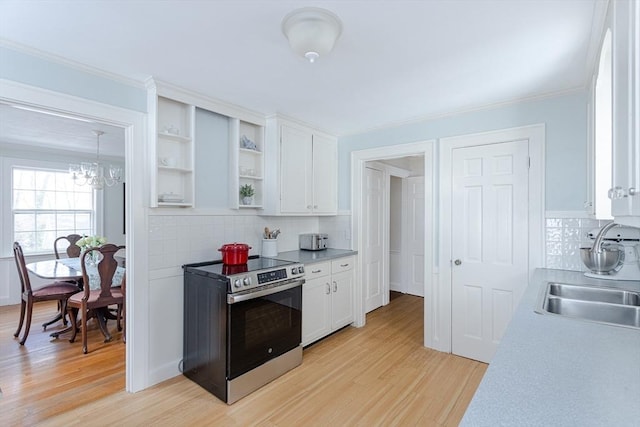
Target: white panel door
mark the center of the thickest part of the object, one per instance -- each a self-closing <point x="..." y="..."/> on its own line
<point x="416" y="235"/>
<point x="489" y="243"/>
<point x="325" y="175"/>
<point x="295" y="171"/>
<point x="373" y="238"/>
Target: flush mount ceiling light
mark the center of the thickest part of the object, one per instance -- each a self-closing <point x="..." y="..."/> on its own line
<point x="312" y="31"/>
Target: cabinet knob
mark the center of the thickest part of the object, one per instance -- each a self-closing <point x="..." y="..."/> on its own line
<point x="617" y="193"/>
<point x="457" y="262"/>
<point x="633" y="191"/>
<point x="328" y="289"/>
<point x="315" y="206"/>
<point x="308" y="206"/>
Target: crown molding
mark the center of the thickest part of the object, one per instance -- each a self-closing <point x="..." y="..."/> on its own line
<point x="71" y="63"/>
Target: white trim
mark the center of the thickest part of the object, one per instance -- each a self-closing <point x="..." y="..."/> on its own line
<point x="358" y="160"/>
<point x="137" y="178"/>
<point x="440" y="334"/>
<point x="568" y="214"/>
<point x="218" y="106"/>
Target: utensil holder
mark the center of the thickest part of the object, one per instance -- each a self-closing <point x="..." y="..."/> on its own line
<point x="269" y="247"/>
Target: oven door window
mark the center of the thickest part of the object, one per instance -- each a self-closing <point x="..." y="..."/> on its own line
<point x="263" y="328"/>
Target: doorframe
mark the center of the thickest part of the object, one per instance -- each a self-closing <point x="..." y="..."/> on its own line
<point x="136" y="175"/>
<point x="441" y="291"/>
<point x="358" y="160"/>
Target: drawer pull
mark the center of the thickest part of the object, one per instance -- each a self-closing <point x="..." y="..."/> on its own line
<point x="344" y="265"/>
<point x="316" y="271"/>
<point x="335" y="286"/>
<point x="328" y="289"/>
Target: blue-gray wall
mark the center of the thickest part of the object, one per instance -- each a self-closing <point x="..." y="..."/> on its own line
<point x="212" y="159"/>
<point x="35" y="71"/>
<point x="565" y="118"/>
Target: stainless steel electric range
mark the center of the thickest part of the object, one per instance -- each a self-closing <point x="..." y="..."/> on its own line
<point x="242" y="324"/>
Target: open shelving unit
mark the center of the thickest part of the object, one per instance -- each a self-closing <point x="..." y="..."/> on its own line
<point x="173" y="160"/>
<point x="246" y="162"/>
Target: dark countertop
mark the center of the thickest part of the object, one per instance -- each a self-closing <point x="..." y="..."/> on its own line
<point x="553" y="370"/>
<point x="309" y="257"/>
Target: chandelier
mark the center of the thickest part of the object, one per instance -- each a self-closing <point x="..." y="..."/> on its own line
<point x="93" y="174"/>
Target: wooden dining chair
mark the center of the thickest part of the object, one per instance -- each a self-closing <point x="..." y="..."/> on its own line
<point x="73" y="250"/>
<point x="95" y="302"/>
<point x="56" y="291"/>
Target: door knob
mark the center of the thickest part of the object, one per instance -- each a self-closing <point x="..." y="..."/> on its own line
<point x="457" y="262"/>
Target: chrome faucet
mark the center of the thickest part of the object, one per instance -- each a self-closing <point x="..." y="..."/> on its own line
<point x="597" y="244"/>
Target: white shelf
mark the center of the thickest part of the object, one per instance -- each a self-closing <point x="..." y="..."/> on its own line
<point x="173" y="137"/>
<point x="174" y="204"/>
<point x="174" y="169"/>
<point x="248" y="151"/>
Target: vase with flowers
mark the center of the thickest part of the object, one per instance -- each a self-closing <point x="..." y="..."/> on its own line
<point x="90" y="242"/>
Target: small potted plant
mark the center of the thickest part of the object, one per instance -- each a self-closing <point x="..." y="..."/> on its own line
<point x="247" y="192"/>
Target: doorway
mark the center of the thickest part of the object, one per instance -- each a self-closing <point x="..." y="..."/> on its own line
<point x="362" y="162"/>
<point x="133" y="125"/>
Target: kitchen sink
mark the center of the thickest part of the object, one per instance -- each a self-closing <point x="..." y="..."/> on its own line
<point x="592" y="303"/>
<point x="589" y="293"/>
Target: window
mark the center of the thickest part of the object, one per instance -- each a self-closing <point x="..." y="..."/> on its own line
<point x="47" y="204"/>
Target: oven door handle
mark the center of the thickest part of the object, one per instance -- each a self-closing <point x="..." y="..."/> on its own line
<point x="232" y="299"/>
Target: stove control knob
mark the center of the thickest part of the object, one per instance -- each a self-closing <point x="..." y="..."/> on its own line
<point x="301" y="269"/>
<point x="246" y="281"/>
<point x="237" y="283"/>
<point x="294" y="270"/>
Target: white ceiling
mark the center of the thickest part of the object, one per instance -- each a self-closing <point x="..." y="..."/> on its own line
<point x="395" y="61"/>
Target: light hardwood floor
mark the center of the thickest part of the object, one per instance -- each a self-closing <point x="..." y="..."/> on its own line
<point x="376" y="375"/>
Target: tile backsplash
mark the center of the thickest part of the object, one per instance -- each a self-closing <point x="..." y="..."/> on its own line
<point x="563" y="239"/>
<point x="175" y="240"/>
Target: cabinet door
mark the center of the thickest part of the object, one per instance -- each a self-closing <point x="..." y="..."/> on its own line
<point x="342" y="299"/>
<point x="626" y="113"/>
<point x="295" y="171"/>
<point x="316" y="297"/>
<point x="325" y="175"/>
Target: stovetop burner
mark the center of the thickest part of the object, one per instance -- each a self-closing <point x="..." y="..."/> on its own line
<point x="257" y="272"/>
<point x="254" y="263"/>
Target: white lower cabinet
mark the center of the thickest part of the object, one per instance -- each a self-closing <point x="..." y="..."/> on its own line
<point x="327" y="298"/>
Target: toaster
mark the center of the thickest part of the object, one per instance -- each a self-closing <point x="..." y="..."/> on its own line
<point x="313" y="241"/>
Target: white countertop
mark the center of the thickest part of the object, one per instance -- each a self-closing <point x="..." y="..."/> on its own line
<point x="309" y="257"/>
<point x="554" y="371"/>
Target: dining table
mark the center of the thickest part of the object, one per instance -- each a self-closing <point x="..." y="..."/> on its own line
<point x="69" y="269"/>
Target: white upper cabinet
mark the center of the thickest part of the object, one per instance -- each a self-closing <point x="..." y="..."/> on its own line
<point x="302" y="170"/>
<point x="625" y="194"/>
<point x="172" y="125"/>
